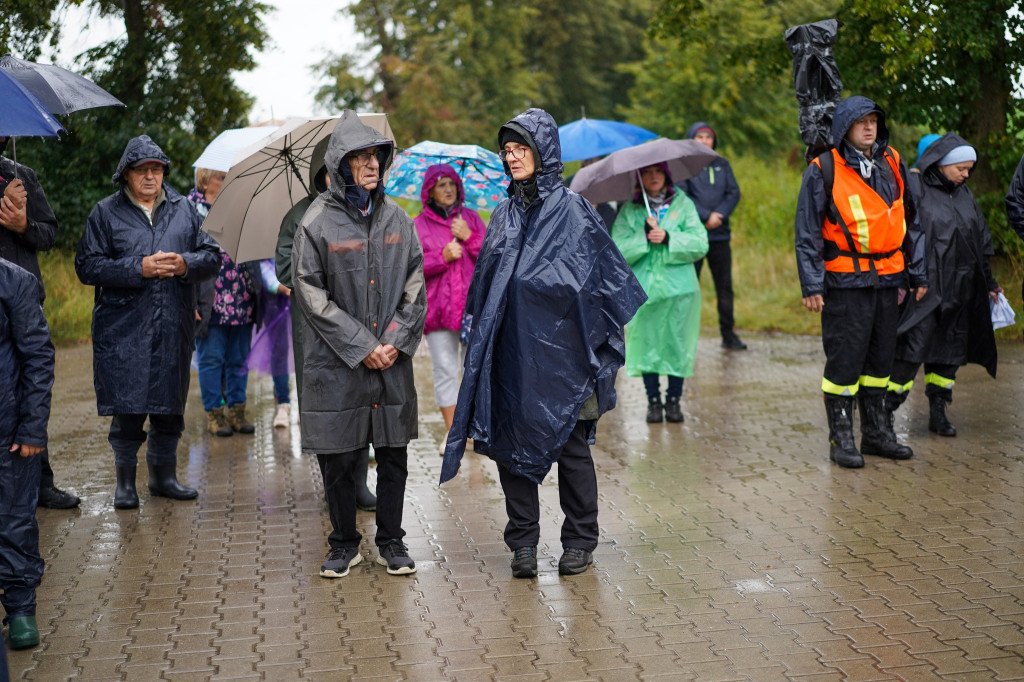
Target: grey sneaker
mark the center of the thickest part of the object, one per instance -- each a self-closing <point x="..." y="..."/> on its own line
<point x="395" y="555"/>
<point x="339" y="561"/>
<point x="524" y="562"/>
<point x="574" y="560"/>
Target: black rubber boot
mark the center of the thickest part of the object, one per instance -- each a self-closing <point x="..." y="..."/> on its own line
<point x="673" y="413"/>
<point x="125" y="494"/>
<point x="937" y="421"/>
<point x="655" y="411"/>
<point x="163" y="482"/>
<point x="842" y="449"/>
<point x="893" y="400"/>
<point x="365" y="499"/>
<point x="877" y="435"/>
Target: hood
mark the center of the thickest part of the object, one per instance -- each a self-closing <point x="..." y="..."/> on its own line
<point x="139" y="148"/>
<point x="929" y="161"/>
<point x="317" y="164"/>
<point x="850" y="110"/>
<point x="938" y="149"/>
<point x="435" y="173"/>
<point x="541" y="131"/>
<point x="692" y="132"/>
<point x="350" y="134"/>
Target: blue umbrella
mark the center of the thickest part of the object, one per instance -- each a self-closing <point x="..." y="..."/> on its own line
<point x="591" y="137"/>
<point x="482" y="172"/>
<point x="22" y="114"/>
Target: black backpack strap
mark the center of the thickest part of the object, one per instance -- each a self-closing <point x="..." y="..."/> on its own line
<point x="899" y="171"/>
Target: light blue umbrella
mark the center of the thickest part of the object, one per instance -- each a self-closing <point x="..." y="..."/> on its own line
<point x="483" y="174"/>
<point x="591" y="137"/>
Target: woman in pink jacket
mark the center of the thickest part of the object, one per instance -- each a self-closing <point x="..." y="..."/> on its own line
<point x="451" y="235"/>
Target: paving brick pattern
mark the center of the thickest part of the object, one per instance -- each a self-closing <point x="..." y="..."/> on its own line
<point x="730" y="549"/>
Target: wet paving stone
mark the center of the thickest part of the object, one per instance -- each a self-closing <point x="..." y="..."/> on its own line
<point x="731" y="549"/>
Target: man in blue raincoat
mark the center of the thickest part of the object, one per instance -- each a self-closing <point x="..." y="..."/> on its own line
<point x="26" y="379"/>
<point x="144" y="252"/>
<point x="550" y="298"/>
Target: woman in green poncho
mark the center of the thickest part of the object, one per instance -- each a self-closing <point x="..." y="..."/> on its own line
<point x="661" y="245"/>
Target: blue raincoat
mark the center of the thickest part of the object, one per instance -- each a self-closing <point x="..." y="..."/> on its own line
<point x="550" y="298"/>
<point x="143" y="330"/>
<point x="26" y="379"/>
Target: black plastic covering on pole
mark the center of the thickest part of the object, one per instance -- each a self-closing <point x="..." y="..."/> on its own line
<point x="816" y="81"/>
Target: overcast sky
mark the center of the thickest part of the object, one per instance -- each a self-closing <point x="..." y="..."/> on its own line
<point x="302" y="33"/>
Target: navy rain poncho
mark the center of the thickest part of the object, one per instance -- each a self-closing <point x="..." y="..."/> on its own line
<point x="143" y="330"/>
<point x="550" y="298"/>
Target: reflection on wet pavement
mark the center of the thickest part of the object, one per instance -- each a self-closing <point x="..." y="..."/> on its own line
<point x="730" y="549"/>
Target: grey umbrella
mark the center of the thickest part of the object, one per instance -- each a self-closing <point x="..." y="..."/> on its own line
<point x="615" y="177"/>
<point x="60" y="90"/>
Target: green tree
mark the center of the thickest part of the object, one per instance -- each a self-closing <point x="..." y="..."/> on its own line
<point x="173" y="70"/>
<point x="26" y="26"/>
<point x="455" y="70"/>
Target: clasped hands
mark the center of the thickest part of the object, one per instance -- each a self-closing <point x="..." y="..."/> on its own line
<point x="655" y="235"/>
<point x="13" y="207"/>
<point x="381" y="357"/>
<point x="163" y="265"/>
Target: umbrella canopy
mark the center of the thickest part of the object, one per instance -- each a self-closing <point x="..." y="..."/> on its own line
<point x="266" y="180"/>
<point x="591" y="137"/>
<point x="614" y="178"/>
<point x="21" y="113"/>
<point x="60" y="90"/>
<point x="483" y="174"/>
<point x="220" y="154"/>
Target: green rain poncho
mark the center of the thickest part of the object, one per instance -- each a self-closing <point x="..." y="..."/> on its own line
<point x="662" y="338"/>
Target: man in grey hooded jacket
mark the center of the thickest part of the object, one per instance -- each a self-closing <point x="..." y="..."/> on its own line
<point x="358" y="279"/>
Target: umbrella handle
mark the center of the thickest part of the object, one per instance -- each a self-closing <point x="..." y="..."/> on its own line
<point x="14" y="155"/>
<point x="647" y="204"/>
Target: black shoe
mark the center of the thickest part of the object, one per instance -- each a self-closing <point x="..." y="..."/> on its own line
<point x="673" y="413"/>
<point x="732" y="342"/>
<point x="574" y="561"/>
<point x="877" y="435"/>
<point x="654" y="411"/>
<point x="125" y="494"/>
<point x="395" y="555"/>
<point x="842" y="449"/>
<point x="163" y="482"/>
<point x="339" y="561"/>
<point x="524" y="562"/>
<point x="937" y="420"/>
<point x="55" y="498"/>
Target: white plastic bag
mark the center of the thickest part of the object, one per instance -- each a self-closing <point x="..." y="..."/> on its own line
<point x="1002" y="313"/>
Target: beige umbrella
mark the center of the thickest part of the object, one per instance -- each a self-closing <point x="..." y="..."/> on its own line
<point x="265" y="181"/>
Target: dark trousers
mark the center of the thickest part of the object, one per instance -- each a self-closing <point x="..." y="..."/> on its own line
<point x="652" y="384"/>
<point x="21" y="566"/>
<point x="858" y="332"/>
<point x="338" y="471"/>
<point x="719" y="259"/>
<point x="127" y="436"/>
<point x="46" y="473"/>
<point x="903" y="372"/>
<point x="577" y="495"/>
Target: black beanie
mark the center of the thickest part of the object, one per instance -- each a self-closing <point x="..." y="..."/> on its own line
<point x="510" y="135"/>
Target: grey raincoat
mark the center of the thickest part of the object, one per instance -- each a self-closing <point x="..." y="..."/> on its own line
<point x="143" y="330"/>
<point x="358" y="281"/>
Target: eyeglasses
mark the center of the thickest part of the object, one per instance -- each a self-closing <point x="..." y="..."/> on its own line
<point x="515" y="153"/>
<point x="363" y="158"/>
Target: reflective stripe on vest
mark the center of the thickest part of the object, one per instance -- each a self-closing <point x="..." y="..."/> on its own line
<point x="876" y="229"/>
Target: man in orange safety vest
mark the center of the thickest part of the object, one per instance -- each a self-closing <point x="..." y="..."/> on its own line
<point x="859" y="252"/>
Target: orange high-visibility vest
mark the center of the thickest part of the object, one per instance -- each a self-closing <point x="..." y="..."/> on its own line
<point x="863" y="233"/>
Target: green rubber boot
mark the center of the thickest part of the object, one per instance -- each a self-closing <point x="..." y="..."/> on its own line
<point x="23" y="632"/>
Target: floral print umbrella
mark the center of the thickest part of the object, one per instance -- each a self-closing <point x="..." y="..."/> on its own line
<point x="482" y="172"/>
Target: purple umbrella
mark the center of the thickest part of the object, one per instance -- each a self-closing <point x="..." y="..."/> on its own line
<point x="615" y="177"/>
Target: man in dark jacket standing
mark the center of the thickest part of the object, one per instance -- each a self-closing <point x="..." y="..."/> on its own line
<point x="1015" y="203"/>
<point x="715" y="193"/>
<point x="29" y="226"/>
<point x="857" y="243"/>
<point x="26" y="379"/>
<point x="144" y="252"/>
<point x="358" y="279"/>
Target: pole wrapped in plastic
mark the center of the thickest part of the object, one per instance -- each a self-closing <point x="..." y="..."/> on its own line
<point x="816" y="81"/>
